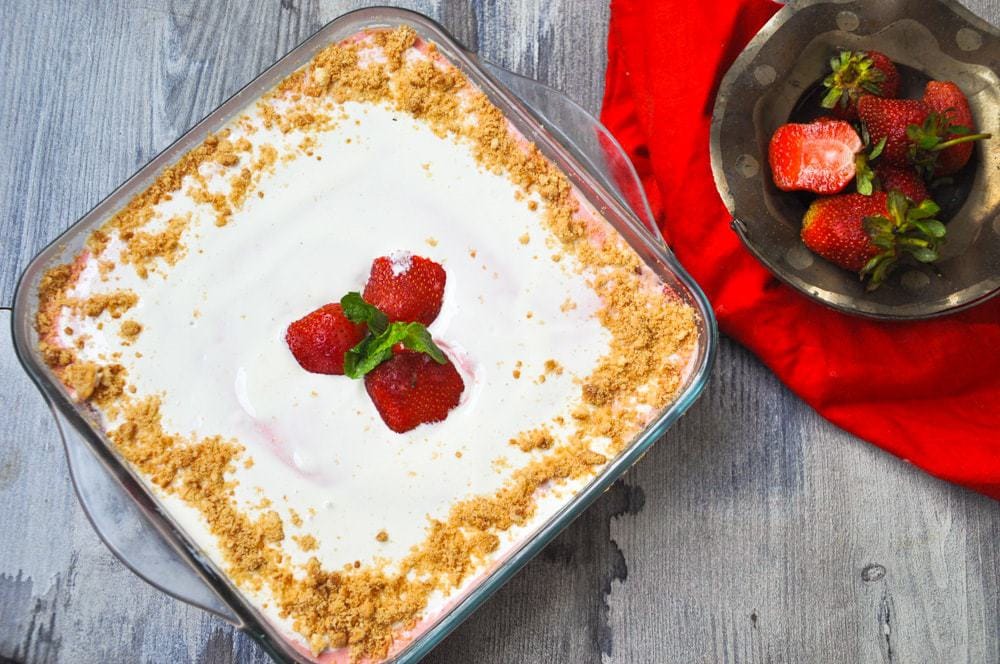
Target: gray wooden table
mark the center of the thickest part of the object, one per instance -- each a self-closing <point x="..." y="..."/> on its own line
<point x="754" y="532"/>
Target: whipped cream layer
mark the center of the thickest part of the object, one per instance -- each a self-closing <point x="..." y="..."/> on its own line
<point x="520" y="322"/>
<point x="214" y="325"/>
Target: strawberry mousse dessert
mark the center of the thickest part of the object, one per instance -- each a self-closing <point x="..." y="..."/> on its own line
<point x="363" y="341"/>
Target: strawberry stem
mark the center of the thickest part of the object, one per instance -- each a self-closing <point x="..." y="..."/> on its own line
<point x="958" y="140"/>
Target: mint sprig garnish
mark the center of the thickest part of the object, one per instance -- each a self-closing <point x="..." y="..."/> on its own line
<point x="359" y="311"/>
<point x="382" y="336"/>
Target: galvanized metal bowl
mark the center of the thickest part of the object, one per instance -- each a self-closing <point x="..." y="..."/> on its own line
<point x="775" y="80"/>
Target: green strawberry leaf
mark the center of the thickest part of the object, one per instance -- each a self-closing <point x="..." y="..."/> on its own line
<point x="925" y="210"/>
<point x="931" y="227"/>
<point x="865" y="176"/>
<point x="832" y="96"/>
<point x="871" y="265"/>
<point x="924" y="254"/>
<point x="898" y="206"/>
<point x="877" y="150"/>
<point x="936" y="134"/>
<point x="878" y="225"/>
<point x="877" y="269"/>
<point x="359" y="311"/>
<point x="865" y="186"/>
<point x="909" y="229"/>
<point x="880" y="274"/>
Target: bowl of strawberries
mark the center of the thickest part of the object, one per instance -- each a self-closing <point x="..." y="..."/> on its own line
<point x="853" y="144"/>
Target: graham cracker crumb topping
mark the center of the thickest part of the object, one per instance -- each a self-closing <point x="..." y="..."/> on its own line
<point x="306" y="542"/>
<point x="129" y="330"/>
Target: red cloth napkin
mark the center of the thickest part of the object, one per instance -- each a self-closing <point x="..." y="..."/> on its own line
<point x="928" y="391"/>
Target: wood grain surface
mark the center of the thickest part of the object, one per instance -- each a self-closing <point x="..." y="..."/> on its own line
<point x="754" y="532"/>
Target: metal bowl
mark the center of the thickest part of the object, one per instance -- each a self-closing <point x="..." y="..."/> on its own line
<point x="775" y="81"/>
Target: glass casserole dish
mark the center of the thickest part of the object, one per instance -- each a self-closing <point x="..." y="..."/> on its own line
<point x="571" y="160"/>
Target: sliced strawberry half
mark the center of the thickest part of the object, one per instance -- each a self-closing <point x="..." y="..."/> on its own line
<point x="320" y="339"/>
<point x="406" y="287"/>
<point x="817" y="157"/>
<point x="413" y="389"/>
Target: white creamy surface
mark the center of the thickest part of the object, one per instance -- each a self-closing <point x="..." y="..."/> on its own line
<point x="213" y="338"/>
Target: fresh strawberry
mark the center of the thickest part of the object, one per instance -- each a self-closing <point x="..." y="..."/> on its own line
<point x="949" y="131"/>
<point x="833" y="228"/>
<point x="905" y="180"/>
<point x="406" y="287"/>
<point x="856" y="74"/>
<point x="889" y="119"/>
<point x="871" y="234"/>
<point x="320" y="339"/>
<point x="412" y="389"/>
<point x="817" y="157"/>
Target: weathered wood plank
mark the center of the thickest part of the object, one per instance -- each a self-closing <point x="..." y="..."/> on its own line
<point x="769" y="535"/>
<point x="745" y="536"/>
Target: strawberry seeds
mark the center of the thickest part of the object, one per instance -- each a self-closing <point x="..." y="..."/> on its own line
<point x="383" y="338"/>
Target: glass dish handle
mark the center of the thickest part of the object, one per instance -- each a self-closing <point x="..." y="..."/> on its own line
<point x="586" y="137"/>
<point x="120" y="523"/>
<point x="124" y="529"/>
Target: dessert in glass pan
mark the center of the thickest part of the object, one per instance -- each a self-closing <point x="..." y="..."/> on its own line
<point x="362" y="341"/>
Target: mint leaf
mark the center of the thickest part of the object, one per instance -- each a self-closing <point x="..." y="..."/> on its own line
<point x="358" y="356"/>
<point x="375" y="349"/>
<point x="382" y="337"/>
<point x="415" y="336"/>
<point x="359" y="311"/>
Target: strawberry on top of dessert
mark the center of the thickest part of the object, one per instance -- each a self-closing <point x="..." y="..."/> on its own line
<point x="320" y="339"/>
<point x="406" y="287"/>
<point x="411" y="389"/>
<point x="383" y="338"/>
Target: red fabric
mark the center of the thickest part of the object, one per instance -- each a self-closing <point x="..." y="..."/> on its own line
<point x="928" y="391"/>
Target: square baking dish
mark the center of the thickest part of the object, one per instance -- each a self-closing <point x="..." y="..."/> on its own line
<point x="566" y="158"/>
